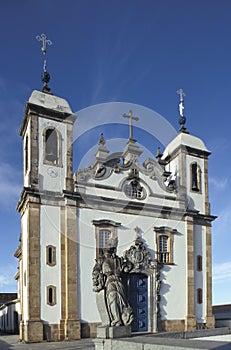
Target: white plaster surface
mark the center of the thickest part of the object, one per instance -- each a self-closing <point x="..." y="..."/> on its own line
<point x="174" y="276"/>
<point x="50" y="275"/>
<point x="200" y="276"/>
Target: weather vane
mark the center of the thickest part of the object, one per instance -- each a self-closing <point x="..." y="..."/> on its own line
<point x="182" y="119"/>
<point x="131" y="118"/>
<point x="45" y="74"/>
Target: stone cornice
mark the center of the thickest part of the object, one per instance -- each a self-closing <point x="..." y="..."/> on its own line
<point x="200" y="218"/>
<point x="104" y="223"/>
<point x="32" y="109"/>
<point x="124" y="206"/>
<point x="18" y="252"/>
<point x="27" y="193"/>
<point x="35" y="196"/>
<point x="187" y="150"/>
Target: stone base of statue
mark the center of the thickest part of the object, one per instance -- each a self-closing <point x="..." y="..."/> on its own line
<point x="103" y="332"/>
<point x="106" y="332"/>
<point x="120" y="332"/>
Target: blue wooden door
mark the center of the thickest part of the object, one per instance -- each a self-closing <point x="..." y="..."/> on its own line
<point x="138" y="299"/>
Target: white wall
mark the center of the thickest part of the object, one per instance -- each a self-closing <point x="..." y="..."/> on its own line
<point x="50" y="275"/>
<point x="173" y="276"/>
<point x="200" y="276"/>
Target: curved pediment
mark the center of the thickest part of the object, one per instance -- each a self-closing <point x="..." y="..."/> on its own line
<point x="126" y="176"/>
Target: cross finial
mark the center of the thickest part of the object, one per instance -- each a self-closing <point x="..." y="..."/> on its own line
<point x="45" y="74"/>
<point x="138" y="232"/>
<point x="131" y="118"/>
<point x="182" y="119"/>
<point x="182" y="94"/>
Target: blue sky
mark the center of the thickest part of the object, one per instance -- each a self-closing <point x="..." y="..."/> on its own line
<point x="137" y="51"/>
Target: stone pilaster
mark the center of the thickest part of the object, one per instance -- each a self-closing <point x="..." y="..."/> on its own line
<point x="69" y="155"/>
<point x="33" y="177"/>
<point x="210" y="321"/>
<point x="69" y="324"/>
<point x="190" y="319"/>
<point x="33" y="326"/>
<point x="206" y="186"/>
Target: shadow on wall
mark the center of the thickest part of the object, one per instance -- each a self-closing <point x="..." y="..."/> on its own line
<point x="9" y="320"/>
<point x="164" y="289"/>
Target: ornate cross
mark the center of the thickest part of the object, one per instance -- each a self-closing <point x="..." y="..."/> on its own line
<point x="45" y="74"/>
<point x="131" y="118"/>
<point x="45" y="42"/>
<point x="182" y="94"/>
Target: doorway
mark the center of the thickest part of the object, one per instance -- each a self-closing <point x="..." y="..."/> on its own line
<point x="138" y="299"/>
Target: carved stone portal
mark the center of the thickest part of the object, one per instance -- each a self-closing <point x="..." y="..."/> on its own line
<point x="109" y="275"/>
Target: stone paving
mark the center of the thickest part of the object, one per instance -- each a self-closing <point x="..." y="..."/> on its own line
<point x="149" y="342"/>
<point x="11" y="342"/>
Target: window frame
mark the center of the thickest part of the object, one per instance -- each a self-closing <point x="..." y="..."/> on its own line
<point x="199" y="263"/>
<point x="199" y="296"/>
<point x="107" y="226"/>
<point x="51" y="289"/>
<point x="195" y="175"/>
<point x="134" y="190"/>
<point x="165" y="257"/>
<point x="51" y="252"/>
<point x="58" y="160"/>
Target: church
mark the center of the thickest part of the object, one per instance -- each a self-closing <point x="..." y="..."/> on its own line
<point x="151" y="220"/>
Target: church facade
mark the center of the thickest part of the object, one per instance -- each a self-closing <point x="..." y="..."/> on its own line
<point x="155" y="215"/>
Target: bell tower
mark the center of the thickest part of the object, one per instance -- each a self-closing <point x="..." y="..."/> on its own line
<point x="187" y="157"/>
<point x="48" y="269"/>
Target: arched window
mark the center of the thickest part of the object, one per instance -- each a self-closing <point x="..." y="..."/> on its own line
<point x="195" y="177"/>
<point x="199" y="295"/>
<point x="51" y="146"/>
<point x="51" y="295"/>
<point x="199" y="263"/>
<point x="51" y="255"/>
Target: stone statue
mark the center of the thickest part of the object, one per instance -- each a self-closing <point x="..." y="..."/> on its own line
<point x="107" y="276"/>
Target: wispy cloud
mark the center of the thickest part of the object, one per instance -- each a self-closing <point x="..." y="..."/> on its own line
<point x="10" y="184"/>
<point x="7" y="281"/>
<point x="222" y="271"/>
<point x="219" y="183"/>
